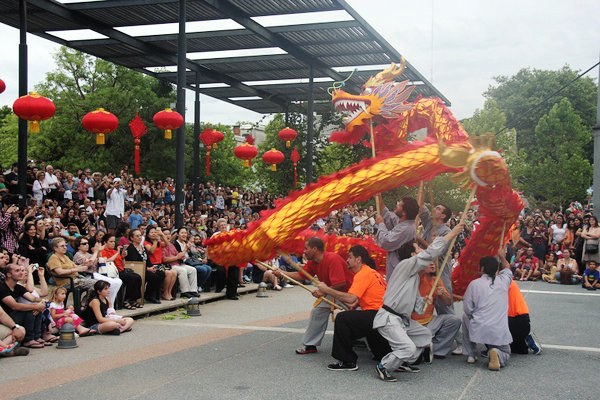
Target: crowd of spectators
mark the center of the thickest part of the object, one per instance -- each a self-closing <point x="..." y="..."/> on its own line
<point x="81" y="228"/>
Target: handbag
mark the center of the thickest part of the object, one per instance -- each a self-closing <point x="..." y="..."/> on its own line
<point x="591" y="248"/>
<point x="109" y="269"/>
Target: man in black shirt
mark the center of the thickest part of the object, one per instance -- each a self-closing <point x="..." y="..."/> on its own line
<point x="27" y="315"/>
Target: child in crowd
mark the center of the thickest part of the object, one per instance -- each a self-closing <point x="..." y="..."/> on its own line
<point x="97" y="316"/>
<point x="591" y="276"/>
<point x="549" y="269"/>
<point x="526" y="269"/>
<point x="61" y="315"/>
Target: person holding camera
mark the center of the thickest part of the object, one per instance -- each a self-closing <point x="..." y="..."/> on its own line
<point x="10" y="225"/>
<point x="115" y="205"/>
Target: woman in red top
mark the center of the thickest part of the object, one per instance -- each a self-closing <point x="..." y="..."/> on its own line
<point x="154" y="244"/>
<point x="132" y="282"/>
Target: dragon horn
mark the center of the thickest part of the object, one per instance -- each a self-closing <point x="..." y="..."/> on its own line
<point x="388" y="74"/>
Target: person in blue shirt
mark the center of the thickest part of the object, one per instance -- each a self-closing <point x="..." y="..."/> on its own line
<point x="136" y="218"/>
<point x="591" y="276"/>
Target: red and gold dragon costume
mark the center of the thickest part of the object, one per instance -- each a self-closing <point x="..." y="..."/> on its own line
<point x="382" y="109"/>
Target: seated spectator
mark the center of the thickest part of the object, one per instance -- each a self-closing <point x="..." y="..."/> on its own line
<point x="567" y="269"/>
<point x="83" y="257"/>
<point x="96" y="313"/>
<point x="591" y="276"/>
<point x="61" y="266"/>
<point x="186" y="274"/>
<point x="154" y="276"/>
<point x="11" y="334"/>
<point x="549" y="270"/>
<point x="194" y="256"/>
<point x="131" y="280"/>
<point x="268" y="276"/>
<point x="154" y="245"/>
<point x="527" y="271"/>
<point x="65" y="315"/>
<point x="27" y="315"/>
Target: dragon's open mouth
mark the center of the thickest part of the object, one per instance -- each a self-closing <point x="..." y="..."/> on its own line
<point x="350" y="107"/>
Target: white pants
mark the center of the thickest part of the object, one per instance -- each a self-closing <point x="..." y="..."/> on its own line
<point x="317" y="324"/>
<point x="444" y="329"/>
<point x="407" y="342"/>
<point x="115" y="285"/>
<point x="186" y="275"/>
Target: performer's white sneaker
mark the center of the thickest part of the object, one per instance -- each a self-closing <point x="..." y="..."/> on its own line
<point x="471" y="359"/>
<point x="457" y="351"/>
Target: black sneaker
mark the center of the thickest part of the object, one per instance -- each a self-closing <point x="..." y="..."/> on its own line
<point x="306" y="349"/>
<point x="342" y="366"/>
<point x="406" y="367"/>
<point x="383" y="374"/>
<point x="428" y="353"/>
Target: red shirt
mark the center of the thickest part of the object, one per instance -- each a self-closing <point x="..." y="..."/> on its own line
<point x="534" y="260"/>
<point x="332" y="270"/>
<point x="156" y="257"/>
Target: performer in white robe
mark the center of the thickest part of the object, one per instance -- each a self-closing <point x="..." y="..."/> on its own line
<point x="406" y="336"/>
<point x="485" y="306"/>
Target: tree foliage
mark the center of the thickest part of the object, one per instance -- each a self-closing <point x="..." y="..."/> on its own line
<point x="517" y="94"/>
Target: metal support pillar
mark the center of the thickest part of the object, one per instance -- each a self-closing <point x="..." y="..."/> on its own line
<point x="310" y="128"/>
<point x="180" y="145"/>
<point x="596" y="181"/>
<point x="22" y="141"/>
<point x="197" y="144"/>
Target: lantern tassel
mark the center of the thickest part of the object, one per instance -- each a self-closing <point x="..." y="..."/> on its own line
<point x="273" y="167"/>
<point x="295" y="176"/>
<point x="99" y="138"/>
<point x="208" y="163"/>
<point x="246" y="163"/>
<point x="288" y="143"/>
<point x="168" y="134"/>
<point x="137" y="159"/>
<point x="215" y="146"/>
<point x="34" y="126"/>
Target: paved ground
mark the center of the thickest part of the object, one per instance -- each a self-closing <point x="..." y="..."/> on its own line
<point x="244" y="350"/>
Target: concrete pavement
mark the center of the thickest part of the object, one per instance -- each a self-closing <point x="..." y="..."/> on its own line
<point x="245" y="350"/>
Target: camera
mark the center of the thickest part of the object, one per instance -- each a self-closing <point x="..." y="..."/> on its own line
<point x="35" y="267"/>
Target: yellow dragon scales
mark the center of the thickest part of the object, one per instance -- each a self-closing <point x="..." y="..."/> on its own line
<point x="383" y="110"/>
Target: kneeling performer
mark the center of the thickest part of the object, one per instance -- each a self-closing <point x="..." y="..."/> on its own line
<point x="367" y="291"/>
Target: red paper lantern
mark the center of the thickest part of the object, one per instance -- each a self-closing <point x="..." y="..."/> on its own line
<point x="34" y="108"/>
<point x="246" y="151"/>
<point x="273" y="157"/>
<point x="295" y="158"/>
<point x="2" y="86"/>
<point x="100" y="122"/>
<point x="287" y="135"/>
<point x="207" y="138"/>
<point x="168" y="120"/>
<point x="217" y="137"/>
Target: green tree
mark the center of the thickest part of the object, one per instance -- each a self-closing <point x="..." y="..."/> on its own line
<point x="8" y="139"/>
<point x="559" y="173"/>
<point x="516" y="94"/>
<point x="82" y="83"/>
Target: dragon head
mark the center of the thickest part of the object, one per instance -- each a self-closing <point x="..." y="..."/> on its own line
<point x="380" y="96"/>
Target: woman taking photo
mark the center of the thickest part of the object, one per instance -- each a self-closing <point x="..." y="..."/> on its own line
<point x="154" y="244"/>
<point x="131" y="280"/>
<point x="540" y="240"/>
<point x="567" y="269"/>
<point x="154" y="276"/>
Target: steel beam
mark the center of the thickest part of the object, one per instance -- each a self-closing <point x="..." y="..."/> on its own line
<point x="310" y="127"/>
<point x="180" y="145"/>
<point x="22" y="139"/>
<point x="196" y="144"/>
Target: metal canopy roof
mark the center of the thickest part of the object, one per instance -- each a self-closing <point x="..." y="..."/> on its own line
<point x="263" y="83"/>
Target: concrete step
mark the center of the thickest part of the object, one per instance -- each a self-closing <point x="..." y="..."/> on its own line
<point x="165" y="306"/>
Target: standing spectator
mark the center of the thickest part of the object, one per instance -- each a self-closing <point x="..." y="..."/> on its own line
<point x="540" y="240"/>
<point x="115" y="205"/>
<point x="52" y="182"/>
<point x="40" y="188"/>
<point x="136" y="218"/>
<point x="12" y="179"/>
<point x="591" y="235"/>
<point x="558" y="230"/>
<point x="70" y="187"/>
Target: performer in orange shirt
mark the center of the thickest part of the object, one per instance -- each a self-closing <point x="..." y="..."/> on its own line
<point x="519" y="324"/>
<point x="367" y="291"/>
<point x="443" y="327"/>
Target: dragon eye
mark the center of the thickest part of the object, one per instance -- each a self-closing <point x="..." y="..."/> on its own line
<point x="367" y="90"/>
